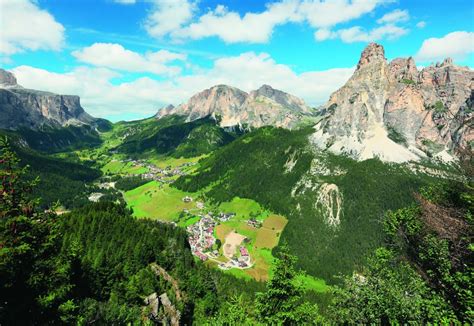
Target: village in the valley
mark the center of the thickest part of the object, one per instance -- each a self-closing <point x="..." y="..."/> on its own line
<point x="202" y="239"/>
<point x="206" y="246"/>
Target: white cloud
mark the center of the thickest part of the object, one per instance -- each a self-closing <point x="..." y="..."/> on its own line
<point x="125" y="2"/>
<point x="24" y="26"/>
<point x="326" y="14"/>
<point x="168" y="16"/>
<point x="395" y="16"/>
<point x="115" y="56"/>
<point x="144" y="96"/>
<point x="457" y="45"/>
<point x="231" y="27"/>
<point x="421" y="24"/>
<point x="176" y="18"/>
<point x="358" y="34"/>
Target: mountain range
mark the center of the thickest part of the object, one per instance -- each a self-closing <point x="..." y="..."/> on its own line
<point x="234" y="107"/>
<point x="392" y="111"/>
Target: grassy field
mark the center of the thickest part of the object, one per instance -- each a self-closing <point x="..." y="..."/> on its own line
<point x="157" y="201"/>
<point x="260" y="240"/>
<point x="243" y="207"/>
<point x="117" y="167"/>
<point x="165" y="161"/>
<point x="311" y="283"/>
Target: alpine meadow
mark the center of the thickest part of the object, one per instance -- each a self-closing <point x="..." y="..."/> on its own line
<point x="280" y="162"/>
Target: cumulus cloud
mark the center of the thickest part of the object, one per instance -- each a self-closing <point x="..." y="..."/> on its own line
<point x="358" y="34"/>
<point x="232" y="28"/>
<point x="388" y="29"/>
<point x="457" y="45"/>
<point x="24" y="26"/>
<point x="328" y="13"/>
<point x="125" y="2"/>
<point x="115" y="56"/>
<point x="421" y="24"/>
<point x="177" y="20"/>
<point x="395" y="16"/>
<point x="168" y="16"/>
<point x="144" y="96"/>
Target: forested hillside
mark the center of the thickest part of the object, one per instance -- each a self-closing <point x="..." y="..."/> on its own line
<point x="59" y="179"/>
<point x="278" y="169"/>
<point x="174" y="136"/>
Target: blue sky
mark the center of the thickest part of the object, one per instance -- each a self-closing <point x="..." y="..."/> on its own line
<point x="127" y="58"/>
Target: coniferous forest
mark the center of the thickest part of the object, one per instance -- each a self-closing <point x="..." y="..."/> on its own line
<point x="95" y="264"/>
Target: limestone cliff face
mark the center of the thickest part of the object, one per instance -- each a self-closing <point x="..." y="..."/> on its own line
<point x="20" y="107"/>
<point x="397" y="113"/>
<point x="265" y="106"/>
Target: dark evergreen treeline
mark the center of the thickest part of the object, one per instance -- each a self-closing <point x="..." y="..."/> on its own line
<point x="61" y="180"/>
<point x="129" y="183"/>
<point x="50" y="140"/>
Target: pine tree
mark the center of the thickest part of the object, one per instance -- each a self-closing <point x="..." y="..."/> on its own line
<point x="281" y="303"/>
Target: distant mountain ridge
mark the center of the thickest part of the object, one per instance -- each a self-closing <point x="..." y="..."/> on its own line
<point x="397" y="113"/>
<point x="232" y="106"/>
<point x="27" y="108"/>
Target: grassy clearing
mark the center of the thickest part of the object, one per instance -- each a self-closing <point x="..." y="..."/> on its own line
<point x="311" y="283"/>
<point x="165" y="161"/>
<point x="117" y="167"/>
<point x="243" y="208"/>
<point x="275" y="222"/>
<point x="157" y="201"/>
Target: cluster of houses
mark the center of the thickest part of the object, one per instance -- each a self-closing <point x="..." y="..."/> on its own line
<point x="254" y="223"/>
<point x="238" y="262"/>
<point x="201" y="238"/>
<point x="159" y="174"/>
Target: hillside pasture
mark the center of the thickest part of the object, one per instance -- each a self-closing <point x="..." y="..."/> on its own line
<point x="157" y="201"/>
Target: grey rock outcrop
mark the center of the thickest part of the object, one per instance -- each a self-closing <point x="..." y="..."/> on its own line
<point x="232" y="106"/>
<point x="27" y="108"/>
<point x="397" y="113"/>
<point x="7" y="79"/>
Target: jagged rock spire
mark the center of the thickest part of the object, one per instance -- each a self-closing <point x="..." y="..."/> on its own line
<point x="372" y="53"/>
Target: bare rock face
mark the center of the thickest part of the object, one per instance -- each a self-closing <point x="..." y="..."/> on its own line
<point x="397" y="113"/>
<point x="7" y="79"/>
<point x="232" y="106"/>
<point x="26" y="108"/>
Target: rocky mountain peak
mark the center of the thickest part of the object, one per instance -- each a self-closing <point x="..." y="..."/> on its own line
<point x="372" y="53"/>
<point x="264" y="106"/>
<point x="403" y="69"/>
<point x="397" y="113"/>
<point x="7" y="78"/>
<point x="21" y="107"/>
<point x="447" y="62"/>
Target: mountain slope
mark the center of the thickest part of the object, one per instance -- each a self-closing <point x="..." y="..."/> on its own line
<point x="334" y="204"/>
<point x="397" y="113"/>
<point x="172" y="135"/>
<point x="232" y="106"/>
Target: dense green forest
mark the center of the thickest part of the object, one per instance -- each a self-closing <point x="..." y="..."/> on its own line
<point x="50" y="139"/>
<point x="402" y="253"/>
